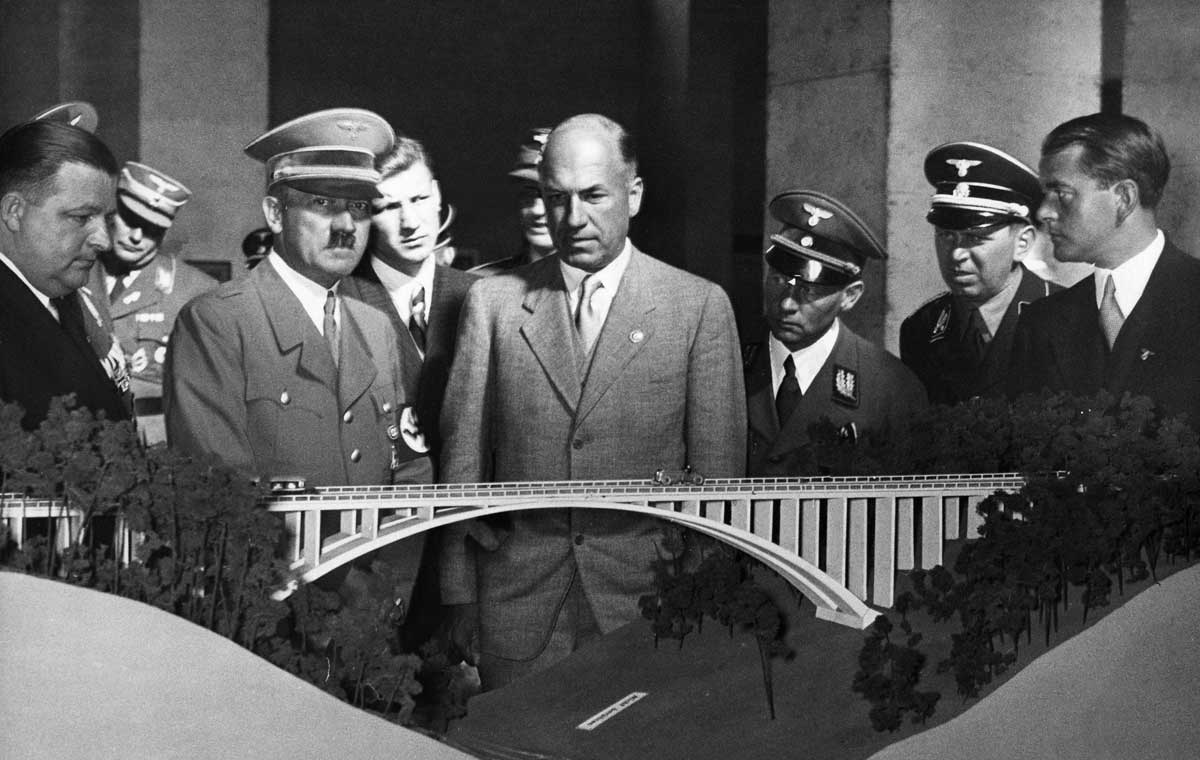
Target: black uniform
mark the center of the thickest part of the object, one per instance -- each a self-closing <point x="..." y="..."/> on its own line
<point x="934" y="343"/>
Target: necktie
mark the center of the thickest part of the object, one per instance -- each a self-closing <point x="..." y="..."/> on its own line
<point x="329" y="325"/>
<point x="118" y="289"/>
<point x="975" y="338"/>
<point x="417" y="322"/>
<point x="1111" y="317"/>
<point x="70" y="316"/>
<point x="587" y="320"/>
<point x="787" y="398"/>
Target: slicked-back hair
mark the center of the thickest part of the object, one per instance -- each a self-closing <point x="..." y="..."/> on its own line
<point x="32" y="153"/>
<point x="1115" y="147"/>
<point x="403" y="156"/>
<point x="626" y="144"/>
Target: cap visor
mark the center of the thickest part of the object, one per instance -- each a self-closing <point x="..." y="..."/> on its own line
<point x="334" y="187"/>
<point x="951" y="218"/>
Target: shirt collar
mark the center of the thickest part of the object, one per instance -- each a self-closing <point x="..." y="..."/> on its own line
<point x="41" y="297"/>
<point x="609" y="276"/>
<point x="1130" y="278"/>
<point x="809" y="360"/>
<point x="994" y="308"/>
<point x="310" y="294"/>
<point x="400" y="286"/>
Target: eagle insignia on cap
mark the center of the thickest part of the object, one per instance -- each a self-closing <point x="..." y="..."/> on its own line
<point x="816" y="214"/>
<point x="962" y="190"/>
<point x="355" y="128"/>
<point x="162" y="185"/>
<point x="962" y="164"/>
<point x="845" y="386"/>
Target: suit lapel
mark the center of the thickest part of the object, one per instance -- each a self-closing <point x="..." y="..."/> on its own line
<point x="619" y="340"/>
<point x="357" y="370"/>
<point x="760" y="396"/>
<point x="549" y="332"/>
<point x="292" y="326"/>
<point x="366" y="287"/>
<point x="1077" y="346"/>
<point x="1153" y="310"/>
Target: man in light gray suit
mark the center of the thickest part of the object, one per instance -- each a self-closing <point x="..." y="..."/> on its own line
<point x="600" y="363"/>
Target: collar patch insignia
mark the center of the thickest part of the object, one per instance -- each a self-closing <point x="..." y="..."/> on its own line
<point x="962" y="164"/>
<point x="816" y="214"/>
<point x="941" y="326"/>
<point x="845" y="386"/>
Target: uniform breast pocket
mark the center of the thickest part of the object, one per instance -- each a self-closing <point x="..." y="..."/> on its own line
<point x="281" y="417"/>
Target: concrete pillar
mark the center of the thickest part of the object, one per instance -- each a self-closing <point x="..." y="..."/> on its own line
<point x="827" y="116"/>
<point x="203" y="96"/>
<point x="1000" y="73"/>
<point x="1162" y="76"/>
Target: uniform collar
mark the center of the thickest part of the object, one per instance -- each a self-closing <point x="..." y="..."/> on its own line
<point x="310" y="294"/>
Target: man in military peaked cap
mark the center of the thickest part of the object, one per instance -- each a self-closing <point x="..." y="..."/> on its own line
<point x="982" y="212"/>
<point x="275" y="373"/>
<point x="146" y="290"/>
<point x="536" y="242"/>
<point x="56" y="188"/>
<point x="811" y="366"/>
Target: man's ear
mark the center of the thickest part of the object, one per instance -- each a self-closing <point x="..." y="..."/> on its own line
<point x="1023" y="243"/>
<point x="12" y="209"/>
<point x="850" y="294"/>
<point x="635" y="195"/>
<point x="273" y="213"/>
<point x="1128" y="198"/>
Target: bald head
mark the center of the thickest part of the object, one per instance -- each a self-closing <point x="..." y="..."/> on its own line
<point x="590" y="184"/>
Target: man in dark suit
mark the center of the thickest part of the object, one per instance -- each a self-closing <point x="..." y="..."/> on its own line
<point x="982" y="212"/>
<point x="601" y="362"/>
<point x="275" y="372"/>
<point x="146" y="288"/>
<point x="56" y="189"/>
<point x="400" y="276"/>
<point x="1132" y="325"/>
<point x="812" y="367"/>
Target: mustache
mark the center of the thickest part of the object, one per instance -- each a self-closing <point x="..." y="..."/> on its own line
<point x="339" y="239"/>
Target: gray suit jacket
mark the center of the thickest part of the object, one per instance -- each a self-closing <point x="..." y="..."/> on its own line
<point x="664" y="390"/>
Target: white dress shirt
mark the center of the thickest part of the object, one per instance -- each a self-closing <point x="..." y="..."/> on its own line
<point x="400" y="287"/>
<point x="610" y="279"/>
<point x="310" y="294"/>
<point x="1130" y="278"/>
<point x="809" y="360"/>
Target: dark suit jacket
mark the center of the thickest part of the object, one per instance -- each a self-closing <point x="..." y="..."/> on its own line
<point x="1059" y="344"/>
<point x="424" y="380"/>
<point x="40" y="360"/>
<point x="932" y="345"/>
<point x="249" y="380"/>
<point x="860" y="384"/>
<point x="664" y="390"/>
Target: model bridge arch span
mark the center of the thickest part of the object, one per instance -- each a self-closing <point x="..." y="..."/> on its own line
<point x="839" y="541"/>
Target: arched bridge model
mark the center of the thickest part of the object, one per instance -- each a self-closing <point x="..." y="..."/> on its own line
<point x="839" y="541"/>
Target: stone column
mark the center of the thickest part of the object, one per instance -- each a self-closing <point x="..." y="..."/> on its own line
<point x="1162" y="77"/>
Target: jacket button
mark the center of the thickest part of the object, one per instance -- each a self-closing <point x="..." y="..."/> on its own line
<point x="284" y="398"/>
<point x="579" y="540"/>
<point x="348" y="417"/>
<point x="355" y="455"/>
<point x="577" y="444"/>
<point x="387" y="406"/>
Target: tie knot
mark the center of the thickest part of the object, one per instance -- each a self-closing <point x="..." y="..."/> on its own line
<point x="789" y="366"/>
<point x="330" y="303"/>
<point x="418" y="298"/>
<point x="588" y="288"/>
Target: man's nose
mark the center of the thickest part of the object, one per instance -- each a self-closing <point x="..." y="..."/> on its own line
<point x="1047" y="209"/>
<point x="135" y="235"/>
<point x="343" y="219"/>
<point x="98" y="238"/>
<point x="575" y="216"/>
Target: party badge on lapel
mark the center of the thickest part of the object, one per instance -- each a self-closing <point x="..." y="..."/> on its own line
<point x="848" y="432"/>
<point x="845" y="386"/>
<point x="637" y="336"/>
<point x="1145" y="354"/>
<point x="941" y="325"/>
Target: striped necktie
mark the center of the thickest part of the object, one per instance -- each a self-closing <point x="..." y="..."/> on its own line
<point x="417" y="323"/>
<point x="329" y="325"/>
